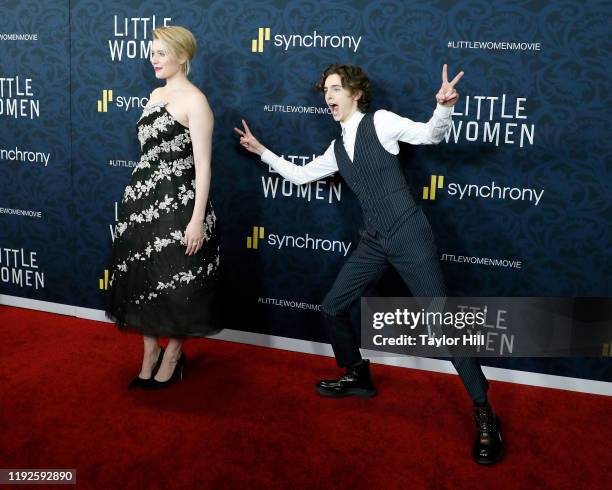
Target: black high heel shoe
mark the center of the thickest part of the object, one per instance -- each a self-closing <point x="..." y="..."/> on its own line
<point x="177" y="374"/>
<point x="139" y="382"/>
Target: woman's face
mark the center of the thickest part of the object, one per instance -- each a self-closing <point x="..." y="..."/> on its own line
<point x="164" y="64"/>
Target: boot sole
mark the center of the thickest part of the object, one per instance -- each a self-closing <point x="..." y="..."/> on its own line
<point x="358" y="392"/>
<point x="493" y="461"/>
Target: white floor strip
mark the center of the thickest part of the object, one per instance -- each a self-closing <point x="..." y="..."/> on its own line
<point x="318" y="348"/>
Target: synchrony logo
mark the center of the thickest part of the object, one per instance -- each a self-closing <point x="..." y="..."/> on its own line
<point x="122" y="102"/>
<point x="17" y="154"/>
<point x="310" y="40"/>
<point x="107" y="96"/>
<point x="437" y="182"/>
<point x="257" y="238"/>
<point x="103" y="282"/>
<point x="487" y="191"/>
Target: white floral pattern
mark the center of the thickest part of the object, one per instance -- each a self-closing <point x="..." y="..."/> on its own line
<point x="165" y="170"/>
<point x="177" y="144"/>
<point x="150" y="268"/>
<point x="148" y="131"/>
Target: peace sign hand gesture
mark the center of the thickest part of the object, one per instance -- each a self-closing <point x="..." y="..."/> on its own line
<point x="248" y="140"/>
<point x="447" y="95"/>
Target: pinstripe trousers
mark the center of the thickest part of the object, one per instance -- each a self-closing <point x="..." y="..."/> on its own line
<point x="410" y="249"/>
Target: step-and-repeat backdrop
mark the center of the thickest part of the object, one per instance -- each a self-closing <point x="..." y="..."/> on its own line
<point x="517" y="194"/>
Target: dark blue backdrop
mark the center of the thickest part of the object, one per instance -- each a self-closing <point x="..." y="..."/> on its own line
<point x="549" y="140"/>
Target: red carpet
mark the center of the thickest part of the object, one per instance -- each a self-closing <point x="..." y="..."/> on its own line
<point x="248" y="417"/>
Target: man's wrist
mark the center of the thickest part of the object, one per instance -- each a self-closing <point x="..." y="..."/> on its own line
<point x="268" y="157"/>
<point x="443" y="110"/>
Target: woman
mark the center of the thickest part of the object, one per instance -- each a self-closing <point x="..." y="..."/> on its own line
<point x="165" y="257"/>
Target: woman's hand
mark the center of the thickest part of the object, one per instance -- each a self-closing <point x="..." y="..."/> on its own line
<point x="248" y="140"/>
<point x="194" y="237"/>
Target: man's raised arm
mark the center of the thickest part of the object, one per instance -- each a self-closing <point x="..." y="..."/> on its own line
<point x="404" y="129"/>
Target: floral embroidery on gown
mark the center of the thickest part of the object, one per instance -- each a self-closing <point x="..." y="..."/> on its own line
<point x="154" y="288"/>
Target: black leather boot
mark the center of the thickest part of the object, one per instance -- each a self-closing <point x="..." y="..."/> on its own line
<point x="355" y="382"/>
<point x="488" y="447"/>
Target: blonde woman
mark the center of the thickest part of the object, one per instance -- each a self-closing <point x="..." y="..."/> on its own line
<point x="165" y="256"/>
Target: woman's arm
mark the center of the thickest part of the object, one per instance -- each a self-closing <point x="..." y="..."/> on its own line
<point x="201" y="123"/>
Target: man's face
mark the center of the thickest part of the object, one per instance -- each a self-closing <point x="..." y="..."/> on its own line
<point x="342" y="104"/>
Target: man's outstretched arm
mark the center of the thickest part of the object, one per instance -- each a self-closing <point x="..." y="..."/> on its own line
<point x="320" y="167"/>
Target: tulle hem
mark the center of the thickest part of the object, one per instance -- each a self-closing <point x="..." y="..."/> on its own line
<point x="147" y="326"/>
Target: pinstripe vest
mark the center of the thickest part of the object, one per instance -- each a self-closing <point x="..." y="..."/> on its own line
<point x="376" y="178"/>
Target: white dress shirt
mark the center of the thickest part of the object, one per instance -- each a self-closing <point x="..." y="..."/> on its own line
<point x="390" y="128"/>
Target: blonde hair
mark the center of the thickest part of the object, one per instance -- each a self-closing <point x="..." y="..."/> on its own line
<point x="179" y="41"/>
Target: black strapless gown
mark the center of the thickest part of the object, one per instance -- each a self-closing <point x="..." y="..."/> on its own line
<point x="154" y="288"/>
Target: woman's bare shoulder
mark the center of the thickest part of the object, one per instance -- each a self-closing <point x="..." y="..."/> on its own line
<point x="195" y="95"/>
<point x="156" y="96"/>
<point x="195" y="99"/>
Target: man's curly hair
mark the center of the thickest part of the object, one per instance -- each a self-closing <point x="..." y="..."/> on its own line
<point x="353" y="79"/>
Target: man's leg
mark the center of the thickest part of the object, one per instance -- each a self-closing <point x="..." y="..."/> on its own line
<point x="366" y="263"/>
<point x="412" y="252"/>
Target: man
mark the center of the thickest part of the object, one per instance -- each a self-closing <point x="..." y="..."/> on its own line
<point x="396" y="230"/>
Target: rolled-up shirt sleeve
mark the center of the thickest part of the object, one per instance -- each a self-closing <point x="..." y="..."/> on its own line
<point x="395" y="127"/>
<point x="320" y="167"/>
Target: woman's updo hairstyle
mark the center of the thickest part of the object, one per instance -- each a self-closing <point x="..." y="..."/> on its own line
<point x="180" y="42"/>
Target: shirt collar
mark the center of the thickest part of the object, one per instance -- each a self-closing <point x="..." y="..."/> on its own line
<point x="352" y="123"/>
